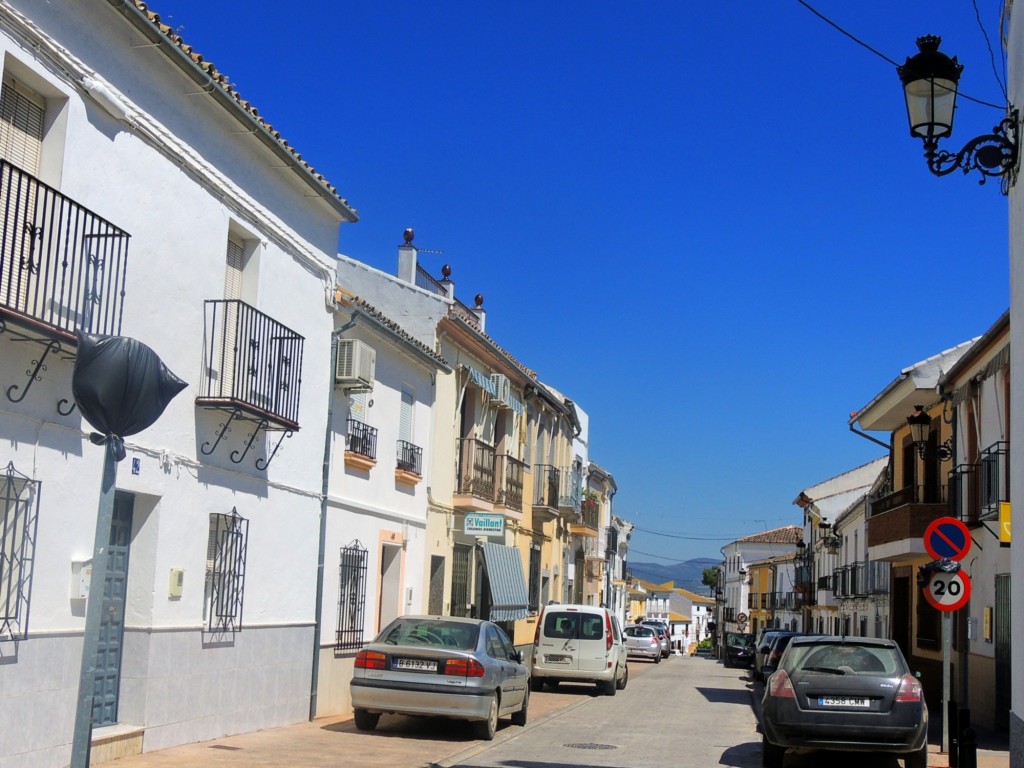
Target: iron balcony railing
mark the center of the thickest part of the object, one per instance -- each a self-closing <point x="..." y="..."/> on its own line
<point x="362" y="439"/>
<point x="590" y="513"/>
<point x="965" y="492"/>
<point x="545" y="486"/>
<point x="460" y="310"/>
<point x="861" y="579"/>
<point x="511" y="472"/>
<point x="62" y="267"/>
<point x="475" y="474"/>
<point x="410" y="457"/>
<point x="593" y="548"/>
<point x="428" y="282"/>
<point x="911" y="494"/>
<point x="570" y="490"/>
<point x="995" y="478"/>
<point x="252" y="362"/>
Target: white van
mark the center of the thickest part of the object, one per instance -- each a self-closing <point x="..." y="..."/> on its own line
<point x="578" y="643"/>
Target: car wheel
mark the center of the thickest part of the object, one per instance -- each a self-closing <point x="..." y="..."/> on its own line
<point x="366" y="721"/>
<point x="621" y="683"/>
<point x="657" y="659"/>
<point x="485" y="729"/>
<point x="519" y="718"/>
<point x="536" y="683"/>
<point x="771" y="754"/>
<point x="607" y="687"/>
<point x="917" y="759"/>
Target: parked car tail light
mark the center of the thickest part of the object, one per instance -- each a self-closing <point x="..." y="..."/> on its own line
<point x="370" y="660"/>
<point x="608" y="630"/>
<point x="655" y="641"/>
<point x="909" y="690"/>
<point x="464" y="668"/>
<point x="781" y="686"/>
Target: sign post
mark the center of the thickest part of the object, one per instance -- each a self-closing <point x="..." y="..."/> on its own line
<point x="947" y="540"/>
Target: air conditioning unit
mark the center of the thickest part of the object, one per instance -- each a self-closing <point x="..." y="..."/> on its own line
<point x="502" y="390"/>
<point x="356" y="364"/>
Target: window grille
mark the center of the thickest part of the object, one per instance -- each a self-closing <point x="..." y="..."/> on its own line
<point x="19" y="517"/>
<point x="994" y="478"/>
<point x="225" y="571"/>
<point x="351" y="597"/>
<point x="534" y="580"/>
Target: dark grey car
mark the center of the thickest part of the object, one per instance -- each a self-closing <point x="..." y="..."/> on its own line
<point x="844" y="693"/>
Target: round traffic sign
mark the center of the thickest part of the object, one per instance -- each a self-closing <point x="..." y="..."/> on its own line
<point x="947" y="539"/>
<point x="948" y="591"/>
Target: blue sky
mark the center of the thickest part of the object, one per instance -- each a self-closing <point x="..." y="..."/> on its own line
<point x="704" y="222"/>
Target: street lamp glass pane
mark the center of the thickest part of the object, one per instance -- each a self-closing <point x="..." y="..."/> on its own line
<point x="930" y="105"/>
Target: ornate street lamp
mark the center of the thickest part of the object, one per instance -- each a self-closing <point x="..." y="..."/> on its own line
<point x="930" y="80"/>
<point x="920" y="428"/>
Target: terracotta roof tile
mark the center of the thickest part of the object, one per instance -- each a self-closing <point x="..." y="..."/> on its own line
<point x="224" y="82"/>
<point x="789" y="534"/>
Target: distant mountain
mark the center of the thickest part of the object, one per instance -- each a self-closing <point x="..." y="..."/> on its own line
<point x="686" y="574"/>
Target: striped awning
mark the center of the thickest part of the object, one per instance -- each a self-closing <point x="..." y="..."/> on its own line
<point x="508" y="587"/>
<point x="482" y="380"/>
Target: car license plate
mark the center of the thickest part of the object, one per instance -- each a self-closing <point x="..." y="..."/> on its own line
<point x="418" y="665"/>
<point x="842" y="701"/>
<point x="554" y="658"/>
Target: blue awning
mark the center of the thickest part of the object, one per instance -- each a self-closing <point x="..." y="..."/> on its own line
<point x="482" y="380"/>
<point x="508" y="587"/>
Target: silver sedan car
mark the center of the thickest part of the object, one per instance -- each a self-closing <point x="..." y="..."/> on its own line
<point x="441" y="666"/>
<point x="642" y="641"/>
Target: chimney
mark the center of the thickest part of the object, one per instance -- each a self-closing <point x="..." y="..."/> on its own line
<point x="407" y="258"/>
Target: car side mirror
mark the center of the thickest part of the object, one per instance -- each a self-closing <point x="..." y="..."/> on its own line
<point x="517" y="656"/>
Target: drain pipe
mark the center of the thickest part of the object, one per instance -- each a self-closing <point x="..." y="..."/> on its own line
<point x="322" y="548"/>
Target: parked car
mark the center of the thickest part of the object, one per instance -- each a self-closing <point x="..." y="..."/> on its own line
<point x="441" y="666"/>
<point x="764" y="645"/>
<point x="739" y="649"/>
<point x="775" y="651"/>
<point x="664" y="635"/>
<point x="579" y="643"/>
<point x="642" y="641"/>
<point x="844" y="693"/>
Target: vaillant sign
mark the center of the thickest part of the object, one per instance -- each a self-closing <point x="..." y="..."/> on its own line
<point x="484" y="524"/>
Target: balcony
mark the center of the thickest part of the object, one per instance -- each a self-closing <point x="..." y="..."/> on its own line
<point x="360" y="445"/>
<point x="593" y="549"/>
<point x="62" y="267"/>
<point x="252" y="365"/>
<point x="408" y="462"/>
<point x="570" y="491"/>
<point x="897" y="521"/>
<point x="995" y="479"/>
<point x="511" y="472"/>
<point x="546" y="481"/>
<point x="475" y="476"/>
<point x="590" y="518"/>
<point x="861" y="579"/>
<point x="965" y="492"/>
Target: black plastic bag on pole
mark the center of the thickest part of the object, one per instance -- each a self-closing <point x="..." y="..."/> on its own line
<point x="121" y="387"/>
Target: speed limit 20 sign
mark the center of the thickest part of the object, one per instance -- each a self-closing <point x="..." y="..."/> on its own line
<point x="948" y="591"/>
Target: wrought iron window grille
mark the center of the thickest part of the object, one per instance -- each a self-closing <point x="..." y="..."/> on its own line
<point x="351" y="596"/>
<point x="19" y="522"/>
<point x="225" y="571"/>
<point x="410" y="457"/>
<point x="361" y="439"/>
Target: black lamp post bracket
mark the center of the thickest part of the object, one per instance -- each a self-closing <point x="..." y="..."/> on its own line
<point x="993" y="154"/>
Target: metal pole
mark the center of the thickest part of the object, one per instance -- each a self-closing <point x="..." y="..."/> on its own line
<point x="82" y="739"/>
<point x="947" y="656"/>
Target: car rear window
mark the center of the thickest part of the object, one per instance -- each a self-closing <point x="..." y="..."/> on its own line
<point x="738" y="638"/>
<point x="639" y="631"/>
<point x="564" y="626"/>
<point x="846" y="659"/>
<point x="435" y="633"/>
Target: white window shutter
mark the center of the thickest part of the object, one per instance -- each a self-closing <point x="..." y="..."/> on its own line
<point x="405" y="425"/>
<point x="21" y="125"/>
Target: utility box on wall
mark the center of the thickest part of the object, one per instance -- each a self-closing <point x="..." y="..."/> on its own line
<point x="176" y="582"/>
<point x="81" y="576"/>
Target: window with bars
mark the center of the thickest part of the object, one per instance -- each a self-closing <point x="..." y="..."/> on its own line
<point x="461" y="554"/>
<point x="351" y="596"/>
<point x="18" y="525"/>
<point x="225" y="571"/>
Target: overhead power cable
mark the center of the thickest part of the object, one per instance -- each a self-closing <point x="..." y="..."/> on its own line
<point x="882" y="56"/>
<point x="687" y="538"/>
